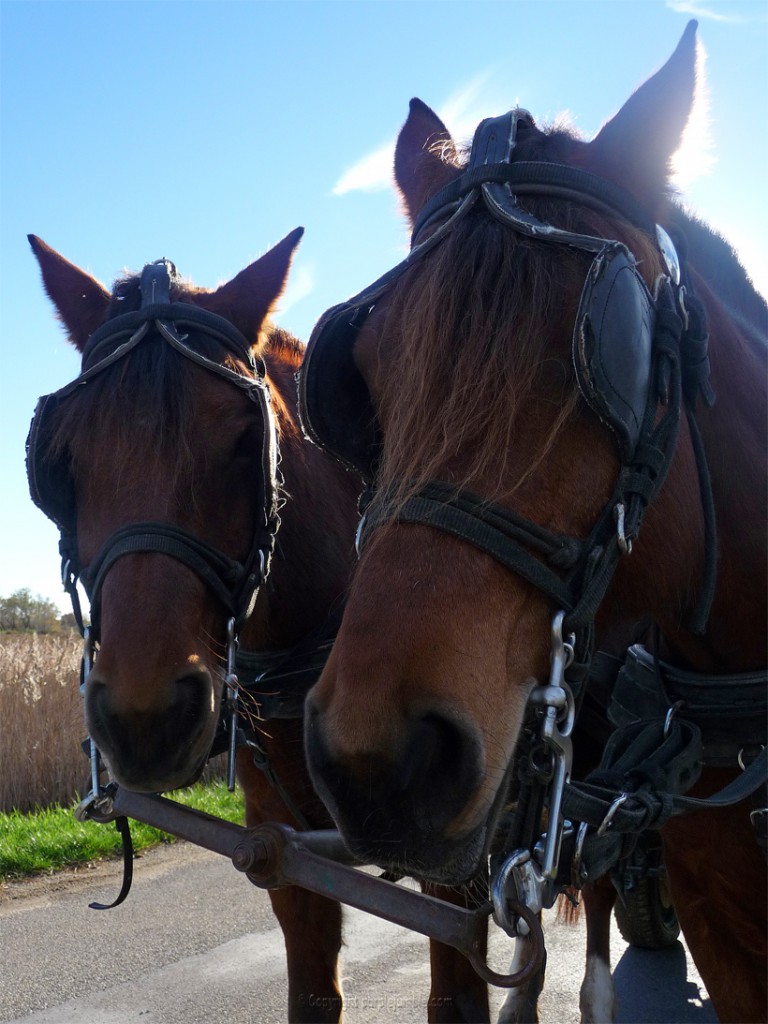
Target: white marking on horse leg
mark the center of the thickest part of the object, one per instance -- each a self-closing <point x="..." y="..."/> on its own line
<point x="597" y="999"/>
<point x="520" y="1005"/>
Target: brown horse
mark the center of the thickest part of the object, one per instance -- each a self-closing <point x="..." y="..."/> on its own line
<point x="157" y="438"/>
<point x="464" y="366"/>
<point x="158" y="466"/>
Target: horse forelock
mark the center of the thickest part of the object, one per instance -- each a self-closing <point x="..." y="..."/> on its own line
<point x="478" y="336"/>
<point x="135" y="414"/>
<point x="142" y="412"/>
<point x="718" y="264"/>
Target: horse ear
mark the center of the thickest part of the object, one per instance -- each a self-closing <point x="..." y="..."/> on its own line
<point x="419" y="169"/>
<point x="80" y="300"/>
<point x="249" y="298"/>
<point x="636" y="146"/>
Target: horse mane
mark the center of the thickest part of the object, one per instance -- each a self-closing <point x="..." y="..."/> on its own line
<point x="718" y="264"/>
<point x="471" y="330"/>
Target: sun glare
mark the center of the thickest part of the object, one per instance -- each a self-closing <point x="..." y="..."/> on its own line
<point x="696" y="156"/>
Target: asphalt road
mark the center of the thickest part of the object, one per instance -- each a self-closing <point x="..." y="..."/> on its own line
<point x="196" y="943"/>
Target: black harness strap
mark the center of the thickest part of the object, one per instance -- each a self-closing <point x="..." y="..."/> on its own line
<point x="730" y="710"/>
<point x="280" y="680"/>
<point x="123" y="827"/>
<point x="497" y="531"/>
<point x="647" y="767"/>
<point x="233" y="583"/>
<point x="533" y="178"/>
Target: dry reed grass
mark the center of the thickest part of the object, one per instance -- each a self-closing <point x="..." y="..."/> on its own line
<point x="42" y="720"/>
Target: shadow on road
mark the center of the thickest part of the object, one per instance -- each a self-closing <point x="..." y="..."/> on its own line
<point x="652" y="987"/>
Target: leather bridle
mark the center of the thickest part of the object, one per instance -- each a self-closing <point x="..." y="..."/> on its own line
<point x="235" y="584"/>
<point x="651" y="349"/>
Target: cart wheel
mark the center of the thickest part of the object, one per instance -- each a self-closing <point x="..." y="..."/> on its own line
<point x="645" y="915"/>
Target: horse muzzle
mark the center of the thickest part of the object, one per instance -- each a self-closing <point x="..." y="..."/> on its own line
<point x="399" y="810"/>
<point x="160" y="746"/>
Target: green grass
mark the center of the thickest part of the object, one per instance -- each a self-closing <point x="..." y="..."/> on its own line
<point x="49" y="839"/>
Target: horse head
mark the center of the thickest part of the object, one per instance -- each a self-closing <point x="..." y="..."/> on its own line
<point x="501" y="388"/>
<point x="159" y="466"/>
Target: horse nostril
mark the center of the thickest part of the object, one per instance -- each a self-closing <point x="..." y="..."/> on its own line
<point x="415" y="791"/>
<point x="439" y="752"/>
<point x="192" y="697"/>
<point x="97" y="709"/>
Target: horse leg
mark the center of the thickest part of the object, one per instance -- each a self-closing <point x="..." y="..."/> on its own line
<point x="311" y="924"/>
<point x="311" y="927"/>
<point x="717" y="879"/>
<point x="458" y="995"/>
<point x="597" y="998"/>
<point x="522" y="1004"/>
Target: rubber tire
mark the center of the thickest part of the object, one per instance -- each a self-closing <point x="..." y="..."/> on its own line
<point x="645" y="915"/>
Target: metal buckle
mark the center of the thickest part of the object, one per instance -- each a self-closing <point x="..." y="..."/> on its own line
<point x="669" y="252"/>
<point x="519" y="881"/>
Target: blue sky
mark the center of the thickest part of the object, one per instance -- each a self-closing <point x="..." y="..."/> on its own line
<point x="204" y="132"/>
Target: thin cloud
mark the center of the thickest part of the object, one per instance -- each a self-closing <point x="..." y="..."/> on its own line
<point x="463" y="111"/>
<point x="301" y="283"/>
<point x="699" y="10"/>
<point x="370" y="174"/>
<point x="373" y="172"/>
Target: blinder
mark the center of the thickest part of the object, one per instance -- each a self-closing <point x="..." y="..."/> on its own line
<point x="335" y="405"/>
<point x="49" y="473"/>
<point x="613" y="332"/>
<point x="612" y="344"/>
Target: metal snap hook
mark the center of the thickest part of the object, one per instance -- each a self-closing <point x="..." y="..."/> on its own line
<point x="578" y="871"/>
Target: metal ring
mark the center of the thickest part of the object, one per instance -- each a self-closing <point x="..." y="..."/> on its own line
<point x="740" y="757"/>
<point x="606" y="824"/>
<point x="671" y="714"/>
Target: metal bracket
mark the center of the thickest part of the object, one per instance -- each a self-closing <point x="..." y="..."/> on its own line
<point x="275" y="855"/>
<point x="529" y="878"/>
<point x="231" y="698"/>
